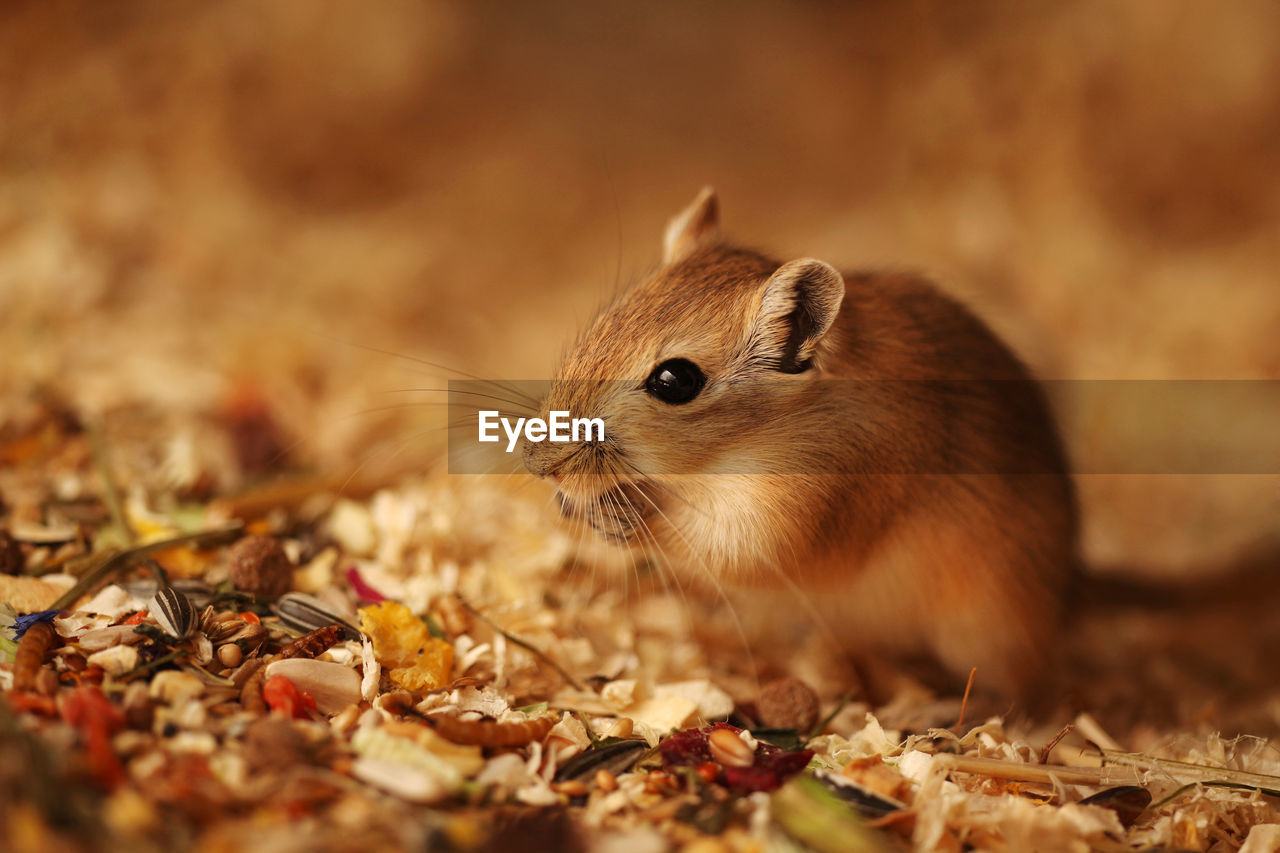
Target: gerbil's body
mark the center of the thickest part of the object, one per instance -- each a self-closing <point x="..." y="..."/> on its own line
<point x="861" y="440"/>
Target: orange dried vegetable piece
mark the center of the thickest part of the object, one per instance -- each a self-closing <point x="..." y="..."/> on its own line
<point x="87" y="707"/>
<point x="182" y="561"/>
<point x="96" y="718"/>
<point x="414" y="659"/>
<point x="32" y="703"/>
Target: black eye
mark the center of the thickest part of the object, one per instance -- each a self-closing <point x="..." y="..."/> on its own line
<point x="675" y="381"/>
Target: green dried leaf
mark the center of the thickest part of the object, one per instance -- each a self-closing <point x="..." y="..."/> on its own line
<point x="617" y="755"/>
<point x="814" y="816"/>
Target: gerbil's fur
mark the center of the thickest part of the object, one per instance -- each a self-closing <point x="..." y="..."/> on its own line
<point x="922" y="503"/>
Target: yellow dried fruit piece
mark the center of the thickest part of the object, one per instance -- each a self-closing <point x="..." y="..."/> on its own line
<point x="413" y="658"/>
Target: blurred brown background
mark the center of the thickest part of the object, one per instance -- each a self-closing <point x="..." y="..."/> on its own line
<point x="198" y="195"/>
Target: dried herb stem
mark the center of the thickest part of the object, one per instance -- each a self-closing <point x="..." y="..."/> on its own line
<point x="524" y="644"/>
<point x="964" y="703"/>
<point x="1126" y="769"/>
<point x="826" y="721"/>
<point x="1183" y="771"/>
<point x="117" y="561"/>
<point x="1020" y="771"/>
<point x="152" y="664"/>
<point x="1054" y="741"/>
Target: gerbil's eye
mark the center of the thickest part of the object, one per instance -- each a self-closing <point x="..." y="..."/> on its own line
<point x="675" y="381"/>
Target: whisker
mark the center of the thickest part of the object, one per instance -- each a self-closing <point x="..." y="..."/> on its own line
<point x="710" y="575"/>
<point x="805" y="600"/>
<point x="635" y="569"/>
<point x="434" y="365"/>
<point x="455" y="391"/>
<point x="373" y="410"/>
<point x="667" y="490"/>
<point x="413" y="359"/>
<point x="669" y="579"/>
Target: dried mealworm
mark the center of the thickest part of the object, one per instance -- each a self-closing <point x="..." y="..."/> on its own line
<point x="491" y="733"/>
<point x="251" y="693"/>
<point x="313" y="644"/>
<point x="33" y="649"/>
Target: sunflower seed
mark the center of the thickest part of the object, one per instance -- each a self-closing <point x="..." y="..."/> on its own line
<point x="174" y="611"/>
<point x="307" y="613"/>
<point x="219" y="626"/>
<point x="860" y="798"/>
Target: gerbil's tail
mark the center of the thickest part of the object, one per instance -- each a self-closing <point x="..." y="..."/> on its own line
<point x="1203" y="649"/>
<point x="1250" y="579"/>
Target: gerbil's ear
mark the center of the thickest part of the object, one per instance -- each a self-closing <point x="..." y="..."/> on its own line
<point x="694" y="227"/>
<point x="798" y="306"/>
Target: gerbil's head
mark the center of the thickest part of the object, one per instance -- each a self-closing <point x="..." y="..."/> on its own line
<point x="701" y="369"/>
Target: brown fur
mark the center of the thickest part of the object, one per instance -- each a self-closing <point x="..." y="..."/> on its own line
<point x="915" y="516"/>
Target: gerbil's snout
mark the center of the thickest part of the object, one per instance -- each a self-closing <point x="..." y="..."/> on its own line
<point x="614" y="506"/>
<point x="542" y="459"/>
<point x="539" y="460"/>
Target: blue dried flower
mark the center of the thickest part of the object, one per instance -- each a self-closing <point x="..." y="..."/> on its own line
<point x="22" y="623"/>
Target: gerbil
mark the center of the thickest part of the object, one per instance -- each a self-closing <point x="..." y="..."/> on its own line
<point x="861" y="438"/>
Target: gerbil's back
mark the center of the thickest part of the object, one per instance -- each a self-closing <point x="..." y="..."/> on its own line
<point x="899" y="328"/>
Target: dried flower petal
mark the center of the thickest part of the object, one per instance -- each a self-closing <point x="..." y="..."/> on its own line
<point x="405" y="647"/>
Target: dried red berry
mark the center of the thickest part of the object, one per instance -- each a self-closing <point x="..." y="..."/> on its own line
<point x="770" y="768"/>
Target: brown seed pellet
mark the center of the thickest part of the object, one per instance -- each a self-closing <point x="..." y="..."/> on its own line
<point x="788" y="703"/>
<point x="274" y="742"/>
<point x="259" y="565"/>
<point x="139" y="710"/>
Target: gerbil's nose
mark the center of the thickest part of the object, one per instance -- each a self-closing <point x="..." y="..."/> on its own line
<point x="537" y="461"/>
